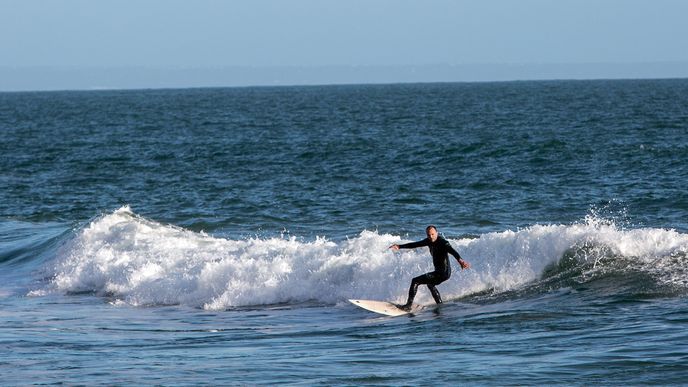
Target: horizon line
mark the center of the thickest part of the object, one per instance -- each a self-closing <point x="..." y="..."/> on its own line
<point x="84" y="78"/>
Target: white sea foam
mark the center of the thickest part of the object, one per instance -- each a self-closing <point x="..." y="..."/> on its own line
<point x="141" y="262"/>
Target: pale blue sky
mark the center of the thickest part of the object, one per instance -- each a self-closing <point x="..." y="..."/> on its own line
<point x="205" y="33"/>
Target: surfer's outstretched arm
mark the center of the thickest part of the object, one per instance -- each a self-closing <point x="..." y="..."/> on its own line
<point x="411" y="245"/>
<point x="462" y="263"/>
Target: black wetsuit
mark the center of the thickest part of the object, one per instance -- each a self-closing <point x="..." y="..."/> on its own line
<point x="440" y="250"/>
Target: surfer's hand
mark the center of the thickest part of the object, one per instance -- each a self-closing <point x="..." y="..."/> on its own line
<point x="464" y="264"/>
<point x="394" y="247"/>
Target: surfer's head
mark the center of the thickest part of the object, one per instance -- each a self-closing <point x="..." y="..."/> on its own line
<point x="431" y="232"/>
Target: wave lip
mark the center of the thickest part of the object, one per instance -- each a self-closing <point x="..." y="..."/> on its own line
<point x="148" y="263"/>
<point x="142" y="262"/>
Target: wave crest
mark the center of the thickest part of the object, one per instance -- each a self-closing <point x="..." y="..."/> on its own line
<point x="142" y="262"/>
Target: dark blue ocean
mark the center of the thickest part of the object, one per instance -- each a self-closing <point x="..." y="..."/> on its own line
<point x="213" y="236"/>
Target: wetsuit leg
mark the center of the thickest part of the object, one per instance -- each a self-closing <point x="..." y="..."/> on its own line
<point x="430" y="279"/>
<point x="436" y="278"/>
<point x="435" y="293"/>
<point x="421" y="279"/>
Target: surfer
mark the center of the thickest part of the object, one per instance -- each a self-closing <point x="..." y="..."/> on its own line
<point x="440" y="250"/>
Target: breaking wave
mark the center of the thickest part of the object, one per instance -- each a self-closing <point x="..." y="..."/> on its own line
<point x="137" y="261"/>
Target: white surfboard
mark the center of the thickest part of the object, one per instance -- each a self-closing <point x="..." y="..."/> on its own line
<point x="386" y="308"/>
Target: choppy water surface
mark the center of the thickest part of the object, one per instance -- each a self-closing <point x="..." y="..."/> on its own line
<point x="213" y="236"/>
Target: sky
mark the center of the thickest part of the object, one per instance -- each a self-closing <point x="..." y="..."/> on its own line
<point x="48" y="38"/>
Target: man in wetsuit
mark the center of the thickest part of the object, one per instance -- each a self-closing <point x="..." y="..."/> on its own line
<point x="440" y="250"/>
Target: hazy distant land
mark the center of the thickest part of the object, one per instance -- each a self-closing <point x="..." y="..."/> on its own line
<point x="89" y="78"/>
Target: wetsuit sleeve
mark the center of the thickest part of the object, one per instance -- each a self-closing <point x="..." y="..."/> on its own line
<point x="413" y="245"/>
<point x="451" y="250"/>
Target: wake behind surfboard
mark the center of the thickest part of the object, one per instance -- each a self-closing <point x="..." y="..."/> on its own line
<point x="385" y="308"/>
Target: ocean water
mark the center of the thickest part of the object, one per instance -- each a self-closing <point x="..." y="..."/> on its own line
<point x="213" y="236"/>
